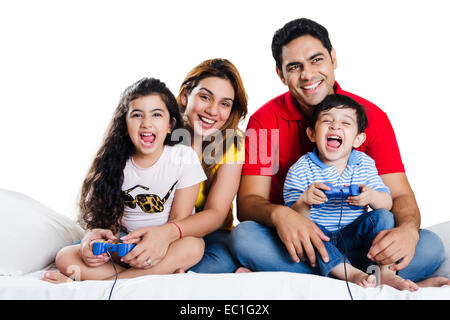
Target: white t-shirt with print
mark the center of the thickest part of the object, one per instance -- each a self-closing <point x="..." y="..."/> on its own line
<point x="149" y="192"/>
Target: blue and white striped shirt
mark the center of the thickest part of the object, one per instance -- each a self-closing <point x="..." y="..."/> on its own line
<point x="309" y="168"/>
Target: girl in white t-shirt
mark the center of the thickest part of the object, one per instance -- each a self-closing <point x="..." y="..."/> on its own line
<point x="140" y="180"/>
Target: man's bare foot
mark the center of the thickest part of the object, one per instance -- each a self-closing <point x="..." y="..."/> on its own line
<point x="55" y="277"/>
<point x="434" y="282"/>
<point x="242" y="270"/>
<point x="389" y="278"/>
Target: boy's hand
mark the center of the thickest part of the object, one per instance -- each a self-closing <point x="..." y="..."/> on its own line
<point x="314" y="194"/>
<point x="365" y="197"/>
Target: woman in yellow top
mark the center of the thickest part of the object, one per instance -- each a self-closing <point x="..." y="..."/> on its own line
<point x="213" y="101"/>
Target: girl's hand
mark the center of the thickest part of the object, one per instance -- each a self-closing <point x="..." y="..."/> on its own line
<point x="365" y="197"/>
<point x="314" y="194"/>
<point x="151" y="243"/>
<point x="91" y="236"/>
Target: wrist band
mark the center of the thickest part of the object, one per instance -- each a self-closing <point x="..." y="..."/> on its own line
<point x="179" y="229"/>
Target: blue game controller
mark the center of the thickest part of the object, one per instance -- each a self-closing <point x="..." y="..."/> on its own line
<point x="103" y="246"/>
<point x="339" y="193"/>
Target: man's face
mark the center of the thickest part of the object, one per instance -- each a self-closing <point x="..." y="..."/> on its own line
<point x="308" y="71"/>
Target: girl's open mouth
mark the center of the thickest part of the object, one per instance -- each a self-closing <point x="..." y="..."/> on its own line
<point x="147" y="139"/>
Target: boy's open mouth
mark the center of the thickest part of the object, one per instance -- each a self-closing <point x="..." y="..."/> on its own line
<point x="334" y="142"/>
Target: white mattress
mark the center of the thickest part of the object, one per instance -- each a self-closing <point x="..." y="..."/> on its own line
<point x="193" y="286"/>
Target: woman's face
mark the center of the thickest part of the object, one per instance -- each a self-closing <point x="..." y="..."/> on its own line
<point x="209" y="105"/>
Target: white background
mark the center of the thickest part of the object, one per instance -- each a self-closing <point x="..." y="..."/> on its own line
<point x="63" y="65"/>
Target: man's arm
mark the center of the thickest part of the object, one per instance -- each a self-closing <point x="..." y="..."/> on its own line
<point x="299" y="234"/>
<point x="399" y="243"/>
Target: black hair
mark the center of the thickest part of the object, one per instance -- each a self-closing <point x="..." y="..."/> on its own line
<point x="147" y="86"/>
<point x="101" y="201"/>
<point x="341" y="101"/>
<point x="295" y="29"/>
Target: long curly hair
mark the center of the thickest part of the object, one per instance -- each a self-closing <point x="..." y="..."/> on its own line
<point x="224" y="69"/>
<point x="101" y="202"/>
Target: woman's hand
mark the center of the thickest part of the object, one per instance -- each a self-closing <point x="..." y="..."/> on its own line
<point x="86" y="253"/>
<point x="151" y="243"/>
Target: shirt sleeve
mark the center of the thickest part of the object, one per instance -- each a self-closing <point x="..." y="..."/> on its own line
<point x="191" y="169"/>
<point x="235" y="154"/>
<point x="295" y="183"/>
<point x="261" y="149"/>
<point x="373" y="180"/>
<point x="382" y="145"/>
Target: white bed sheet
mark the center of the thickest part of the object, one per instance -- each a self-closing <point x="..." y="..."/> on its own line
<point x="193" y="286"/>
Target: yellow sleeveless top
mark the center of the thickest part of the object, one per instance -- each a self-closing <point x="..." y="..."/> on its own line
<point x="232" y="155"/>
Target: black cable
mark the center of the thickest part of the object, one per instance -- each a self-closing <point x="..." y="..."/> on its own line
<point x="345" y="246"/>
<point x="115" y="271"/>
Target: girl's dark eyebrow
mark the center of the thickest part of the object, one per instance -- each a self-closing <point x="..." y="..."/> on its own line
<point x="156" y="108"/>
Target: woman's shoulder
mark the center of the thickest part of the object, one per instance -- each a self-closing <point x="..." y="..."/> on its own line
<point x="236" y="151"/>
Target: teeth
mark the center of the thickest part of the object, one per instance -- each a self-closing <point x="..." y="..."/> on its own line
<point x="312" y="86"/>
<point x="147" y="134"/>
<point x="208" y="121"/>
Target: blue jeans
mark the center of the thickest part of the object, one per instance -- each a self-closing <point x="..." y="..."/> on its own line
<point x="217" y="257"/>
<point x="259" y="248"/>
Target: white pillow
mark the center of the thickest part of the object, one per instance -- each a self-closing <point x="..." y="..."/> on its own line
<point x="443" y="231"/>
<point x="32" y="234"/>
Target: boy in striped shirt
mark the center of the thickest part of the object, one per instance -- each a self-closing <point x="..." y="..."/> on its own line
<point x="337" y="127"/>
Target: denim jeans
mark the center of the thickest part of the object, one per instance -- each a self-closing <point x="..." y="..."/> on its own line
<point x="217" y="257"/>
<point x="259" y="248"/>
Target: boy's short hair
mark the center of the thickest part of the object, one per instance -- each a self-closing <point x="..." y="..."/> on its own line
<point x="341" y="101"/>
<point x="295" y="29"/>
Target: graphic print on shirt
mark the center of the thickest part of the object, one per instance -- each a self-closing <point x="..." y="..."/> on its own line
<point x="150" y="203"/>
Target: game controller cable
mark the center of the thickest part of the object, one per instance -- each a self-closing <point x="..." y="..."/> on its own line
<point x="345" y="247"/>
<point x="115" y="271"/>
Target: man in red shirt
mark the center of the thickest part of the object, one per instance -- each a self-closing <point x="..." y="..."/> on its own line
<point x="276" y="138"/>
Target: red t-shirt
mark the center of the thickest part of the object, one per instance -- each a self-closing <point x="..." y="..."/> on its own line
<point x="276" y="138"/>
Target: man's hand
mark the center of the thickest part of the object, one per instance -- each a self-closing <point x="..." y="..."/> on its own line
<point x="300" y="236"/>
<point x="392" y="245"/>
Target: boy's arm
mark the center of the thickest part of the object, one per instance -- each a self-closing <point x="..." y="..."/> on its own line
<point x="313" y="195"/>
<point x="381" y="200"/>
<point x="371" y="197"/>
<point x="299" y="234"/>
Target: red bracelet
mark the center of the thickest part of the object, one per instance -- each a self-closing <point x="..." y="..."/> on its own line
<point x="179" y="229"/>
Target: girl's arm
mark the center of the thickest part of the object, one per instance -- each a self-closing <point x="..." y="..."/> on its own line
<point x="154" y="241"/>
<point x="220" y="197"/>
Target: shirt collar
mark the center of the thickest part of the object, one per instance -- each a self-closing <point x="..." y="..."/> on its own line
<point x="353" y="159"/>
<point x="291" y="111"/>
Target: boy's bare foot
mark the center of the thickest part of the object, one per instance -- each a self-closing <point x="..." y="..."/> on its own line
<point x="389" y="278"/>
<point x="434" y="282"/>
<point x="242" y="270"/>
<point x="55" y="277"/>
<point x="354" y="275"/>
<point x="367" y="281"/>
<point x="180" y="270"/>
